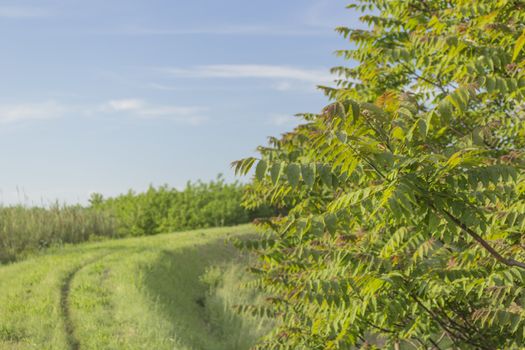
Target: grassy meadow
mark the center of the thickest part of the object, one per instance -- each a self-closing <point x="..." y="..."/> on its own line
<point x="168" y="291"/>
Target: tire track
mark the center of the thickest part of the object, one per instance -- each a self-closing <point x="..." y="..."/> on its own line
<point x="69" y="328"/>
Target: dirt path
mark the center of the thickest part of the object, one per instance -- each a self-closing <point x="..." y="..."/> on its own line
<point x="69" y="327"/>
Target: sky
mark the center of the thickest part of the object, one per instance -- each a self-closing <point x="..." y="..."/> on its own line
<point x="109" y="95"/>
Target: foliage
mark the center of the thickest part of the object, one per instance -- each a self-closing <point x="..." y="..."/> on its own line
<point x="407" y="193"/>
<point x="166" y="209"/>
<point x="23" y="229"/>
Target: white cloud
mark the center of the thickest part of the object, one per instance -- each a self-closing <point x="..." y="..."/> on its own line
<point x="16" y="113"/>
<point x="329" y="14"/>
<point x="258" y="71"/>
<point x="298" y="86"/>
<point x="19" y="12"/>
<point x="191" y="115"/>
<point x="36" y="111"/>
<point x="251" y="30"/>
<point x="125" y="105"/>
<point x="283" y="119"/>
<point x="163" y="87"/>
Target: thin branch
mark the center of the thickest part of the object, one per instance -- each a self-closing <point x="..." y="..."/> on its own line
<point x="436" y="343"/>
<point x="378" y="327"/>
<point x="483" y="243"/>
<point x="451" y="334"/>
<point x="359" y="155"/>
<point x="445" y="326"/>
<point x="431" y="82"/>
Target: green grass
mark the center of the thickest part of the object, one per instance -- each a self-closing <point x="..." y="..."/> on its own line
<point x="171" y="291"/>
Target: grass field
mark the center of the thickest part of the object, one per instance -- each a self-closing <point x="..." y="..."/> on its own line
<point x="170" y="291"/>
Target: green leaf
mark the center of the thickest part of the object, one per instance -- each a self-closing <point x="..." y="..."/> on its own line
<point x="459" y="99"/>
<point x="477" y="136"/>
<point x="293" y="174"/>
<point x="518" y="46"/>
<point x="260" y="169"/>
<point x="355" y="110"/>
<point x="490" y="84"/>
<point x="444" y="109"/>
<point x="341" y="136"/>
<point x="275" y="172"/>
<point x="308" y="173"/>
<point x="317" y="227"/>
<point x="422" y="127"/>
<point x="243" y="166"/>
<point x="398" y="133"/>
<point x="326" y="175"/>
<point x="330" y="221"/>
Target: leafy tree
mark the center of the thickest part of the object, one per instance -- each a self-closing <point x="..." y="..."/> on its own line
<point x="407" y="193"/>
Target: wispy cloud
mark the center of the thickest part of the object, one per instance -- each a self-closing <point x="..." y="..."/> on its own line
<point x="21" y="12"/>
<point x="125" y="105"/>
<point x="163" y="87"/>
<point x="191" y="115"/>
<point x="269" y="30"/>
<point x="329" y="14"/>
<point x="283" y="119"/>
<point x="22" y="112"/>
<point x="35" y="111"/>
<point x="316" y="76"/>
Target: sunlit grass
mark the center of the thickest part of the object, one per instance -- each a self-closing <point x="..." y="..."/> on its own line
<point x="142" y="293"/>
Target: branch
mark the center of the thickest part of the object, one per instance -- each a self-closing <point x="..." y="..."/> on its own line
<point x="439" y="85"/>
<point x="482" y="242"/>
<point x="435" y="343"/>
<point x="445" y="326"/>
<point x="450" y="333"/>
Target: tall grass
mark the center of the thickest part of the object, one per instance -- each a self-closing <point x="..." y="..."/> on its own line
<point x="24" y="230"/>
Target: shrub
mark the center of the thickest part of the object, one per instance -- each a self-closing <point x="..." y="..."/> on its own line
<point x="166" y="209"/>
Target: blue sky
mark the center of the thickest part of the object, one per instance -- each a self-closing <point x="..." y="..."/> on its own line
<point x="107" y="95"/>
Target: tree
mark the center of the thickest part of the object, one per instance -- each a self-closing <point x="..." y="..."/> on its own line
<point x="406" y="226"/>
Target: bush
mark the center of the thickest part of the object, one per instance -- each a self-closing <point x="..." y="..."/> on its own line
<point x="166" y="209"/>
